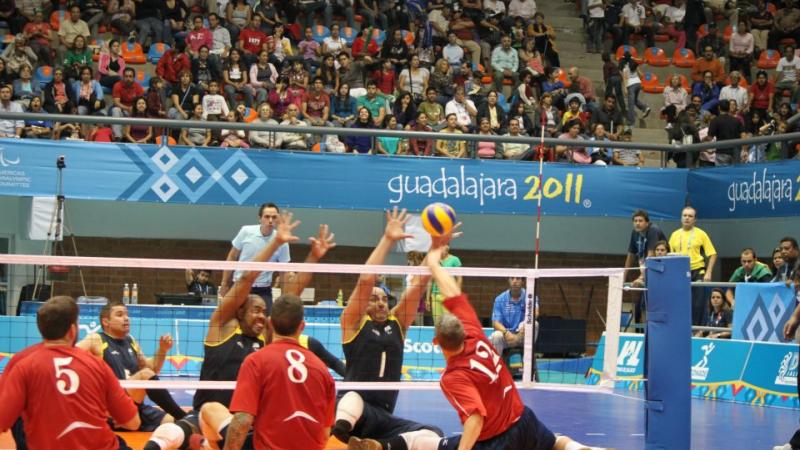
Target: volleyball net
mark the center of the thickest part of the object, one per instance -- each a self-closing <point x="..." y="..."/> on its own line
<point x="542" y="350"/>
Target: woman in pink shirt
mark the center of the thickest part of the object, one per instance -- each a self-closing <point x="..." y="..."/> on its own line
<point x="740" y="49"/>
<point x="111" y="64"/>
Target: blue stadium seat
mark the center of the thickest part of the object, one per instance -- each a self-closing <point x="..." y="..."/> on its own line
<point x="156" y="51"/>
<point x="43" y="75"/>
<point x="319" y="33"/>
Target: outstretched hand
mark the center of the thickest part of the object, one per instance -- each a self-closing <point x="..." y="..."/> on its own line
<point x="395" y="225"/>
<point x="285" y="228"/>
<point x="439" y="242"/>
<point x="323" y="242"/>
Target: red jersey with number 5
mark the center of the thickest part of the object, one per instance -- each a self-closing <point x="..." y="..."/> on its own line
<point x="291" y="394"/>
<point x="476" y="381"/>
<point x="64" y="396"/>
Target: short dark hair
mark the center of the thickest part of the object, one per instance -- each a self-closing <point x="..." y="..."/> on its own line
<point x="724" y="105"/>
<point x="749" y="250"/>
<point x="287" y="314"/>
<point x="267" y="205"/>
<point x="450" y="332"/>
<point x="641" y="213"/>
<point x="56" y="316"/>
<point x="790" y="239"/>
<point x="105" y="311"/>
<point x="129" y="70"/>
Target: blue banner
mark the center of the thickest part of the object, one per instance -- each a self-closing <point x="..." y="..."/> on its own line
<point x="756" y="373"/>
<point x="218" y="176"/>
<point x="750" y="190"/>
<point x="762" y="310"/>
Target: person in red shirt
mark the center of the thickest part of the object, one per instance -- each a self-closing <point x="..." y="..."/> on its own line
<point x="368" y="54"/>
<point x="172" y="63"/>
<point x="476" y="382"/>
<point x="385" y="77"/>
<point x="63" y="393"/>
<point x="198" y="37"/>
<point x="252" y="40"/>
<point x="124" y="93"/>
<point x="283" y="390"/>
<point x="316" y="104"/>
<point x="761" y="95"/>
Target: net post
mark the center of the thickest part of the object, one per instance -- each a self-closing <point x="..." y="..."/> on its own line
<point x="613" y="322"/>
<point x="668" y="411"/>
<point x="530" y="319"/>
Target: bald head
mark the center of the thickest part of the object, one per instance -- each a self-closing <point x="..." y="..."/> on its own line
<point x="450" y="333"/>
<point x="574" y="73"/>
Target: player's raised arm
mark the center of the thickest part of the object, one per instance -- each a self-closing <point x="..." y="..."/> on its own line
<point x="359" y="299"/>
<point x="319" y="247"/>
<point x="237" y="295"/>
<point x="406" y="309"/>
<point x="447" y="283"/>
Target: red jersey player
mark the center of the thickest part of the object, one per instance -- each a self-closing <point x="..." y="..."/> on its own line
<point x="477" y="383"/>
<point x="63" y="393"/>
<point x="283" y="390"/>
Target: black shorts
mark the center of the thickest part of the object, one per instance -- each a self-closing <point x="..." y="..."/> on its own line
<point x="151" y="417"/>
<point x="528" y="433"/>
<point x="248" y="441"/>
<point x="377" y="423"/>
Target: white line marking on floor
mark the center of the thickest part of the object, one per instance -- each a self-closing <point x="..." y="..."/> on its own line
<point x="595" y="434"/>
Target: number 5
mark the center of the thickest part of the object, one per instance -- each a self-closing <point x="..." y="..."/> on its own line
<point x="69" y="386"/>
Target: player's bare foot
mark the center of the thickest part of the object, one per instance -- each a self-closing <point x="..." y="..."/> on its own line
<point x="363" y="444"/>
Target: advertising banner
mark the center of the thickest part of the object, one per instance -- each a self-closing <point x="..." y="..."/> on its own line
<point x="217" y="176"/>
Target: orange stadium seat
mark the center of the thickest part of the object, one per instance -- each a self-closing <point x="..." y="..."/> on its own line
<point x="408" y="37"/>
<point x="684" y="81"/>
<point x="170" y="140"/>
<point x="655" y="56"/>
<point x="661" y="38"/>
<point x="727" y="33"/>
<point x="57" y="17"/>
<point x="630" y="49"/>
<point x="250" y="114"/>
<point x="768" y="59"/>
<point x="561" y="75"/>
<point x="702" y="31"/>
<point x="683" y="57"/>
<point x="378" y="35"/>
<point x="742" y="82"/>
<point x="132" y="53"/>
<point x="787" y="41"/>
<point x="650" y="83"/>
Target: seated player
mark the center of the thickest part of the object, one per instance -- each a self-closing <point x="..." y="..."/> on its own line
<point x="477" y="384"/>
<point x="236" y="328"/>
<point x="121" y="352"/>
<point x="284" y="391"/>
<point x="63" y="394"/>
<point x="372" y="339"/>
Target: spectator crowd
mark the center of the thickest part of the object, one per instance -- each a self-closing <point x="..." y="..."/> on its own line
<point x="487" y="67"/>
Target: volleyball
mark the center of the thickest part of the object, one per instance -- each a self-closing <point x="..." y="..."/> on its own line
<point x="438" y="218"/>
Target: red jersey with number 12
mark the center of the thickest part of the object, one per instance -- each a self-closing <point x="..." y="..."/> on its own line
<point x="63" y="395"/>
<point x="476" y="381"/>
<point x="291" y="394"/>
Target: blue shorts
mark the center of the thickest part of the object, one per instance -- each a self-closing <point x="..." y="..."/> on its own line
<point x="528" y="433"/>
<point x="151" y="417"/>
<point x="377" y="423"/>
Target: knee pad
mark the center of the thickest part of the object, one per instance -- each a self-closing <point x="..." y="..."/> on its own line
<point x="350" y="408"/>
<point x="168" y="436"/>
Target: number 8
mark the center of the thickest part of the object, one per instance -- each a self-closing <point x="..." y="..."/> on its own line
<point x="297" y="370"/>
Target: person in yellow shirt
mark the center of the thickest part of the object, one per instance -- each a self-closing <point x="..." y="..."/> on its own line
<point x="693" y="242"/>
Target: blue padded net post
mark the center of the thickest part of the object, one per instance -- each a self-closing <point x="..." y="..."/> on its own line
<point x="668" y="350"/>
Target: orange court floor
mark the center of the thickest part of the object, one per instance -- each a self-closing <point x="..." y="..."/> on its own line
<point x="137" y="439"/>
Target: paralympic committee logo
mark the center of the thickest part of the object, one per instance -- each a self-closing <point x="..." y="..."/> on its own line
<point x="787" y="372"/>
<point x="630" y="355"/>
<point x="700" y="370"/>
<point x="5" y="162"/>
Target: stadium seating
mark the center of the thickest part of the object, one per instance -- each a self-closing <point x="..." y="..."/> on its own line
<point x="319" y="33"/>
<point x="143" y="78"/>
<point x="683" y="57"/>
<point x="132" y="53"/>
<point x="156" y="51"/>
<point x="561" y="75"/>
<point x="408" y="37"/>
<point x="657" y="57"/>
<point x="43" y="75"/>
<point x="742" y="82"/>
<point x="768" y="59"/>
<point x="650" y="83"/>
<point x="57" y="17"/>
<point x="629" y="49"/>
<point x="727" y="33"/>
<point x="348" y="34"/>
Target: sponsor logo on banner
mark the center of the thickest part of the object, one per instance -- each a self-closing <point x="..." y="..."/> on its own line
<point x="766" y="318"/>
<point x="420" y="347"/>
<point x="763" y="189"/>
<point x="12" y="178"/>
<point x="787" y="372"/>
<point x="91" y="327"/>
<point x="484" y="188"/>
<point x="629" y="356"/>
<point x="700" y="370"/>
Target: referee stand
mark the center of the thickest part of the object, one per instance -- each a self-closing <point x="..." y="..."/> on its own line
<point x="668" y="348"/>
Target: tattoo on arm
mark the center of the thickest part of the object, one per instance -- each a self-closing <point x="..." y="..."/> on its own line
<point x="237" y="430"/>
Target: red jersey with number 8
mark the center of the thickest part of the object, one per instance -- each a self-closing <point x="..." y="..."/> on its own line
<point x="63" y="395"/>
<point x="291" y="394"/>
<point x="476" y="381"/>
